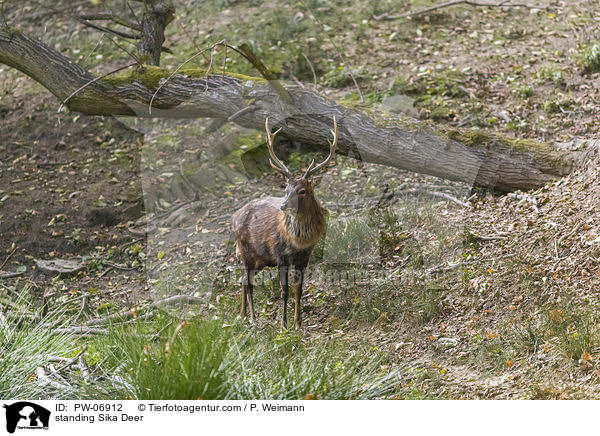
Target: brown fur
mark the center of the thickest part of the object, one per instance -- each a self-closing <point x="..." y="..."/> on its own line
<point x="267" y="236"/>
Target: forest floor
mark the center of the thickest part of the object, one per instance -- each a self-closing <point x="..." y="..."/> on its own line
<point x="495" y="300"/>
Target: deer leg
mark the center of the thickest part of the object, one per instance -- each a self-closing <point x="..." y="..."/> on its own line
<point x="283" y="280"/>
<point x="250" y="288"/>
<point x="298" y="296"/>
<point x="244" y="291"/>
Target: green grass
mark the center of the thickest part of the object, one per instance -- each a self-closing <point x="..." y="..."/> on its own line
<point x="26" y="345"/>
<point x="23" y="351"/>
<point x="168" y="359"/>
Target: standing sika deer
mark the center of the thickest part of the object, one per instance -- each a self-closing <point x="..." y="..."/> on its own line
<point x="281" y="231"/>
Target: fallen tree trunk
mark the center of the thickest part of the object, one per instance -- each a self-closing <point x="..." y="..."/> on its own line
<point x="470" y="156"/>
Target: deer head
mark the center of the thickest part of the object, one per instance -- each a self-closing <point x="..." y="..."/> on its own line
<point x="299" y="194"/>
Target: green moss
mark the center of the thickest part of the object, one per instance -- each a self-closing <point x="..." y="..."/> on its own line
<point x="150" y="76"/>
<point x="381" y="117"/>
<point x="198" y="73"/>
<point x="469" y="137"/>
<point x="473" y="138"/>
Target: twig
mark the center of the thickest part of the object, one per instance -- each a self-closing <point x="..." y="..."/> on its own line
<point x="131" y="55"/>
<point x="298" y="82"/>
<point x="51" y="11"/>
<point x="133" y="13"/>
<point x="310" y="65"/>
<point x="110" y="17"/>
<point x="8" y="257"/>
<point x="171" y="210"/>
<point x="106" y="271"/>
<point x="83" y="306"/>
<point x="241" y="112"/>
<point x="441" y="194"/>
<point x="448" y="197"/>
<point x="106" y="29"/>
<point x="54" y="372"/>
<point x="185" y="31"/>
<point x="571" y="233"/>
<point x="388" y="17"/>
<point x="120" y="267"/>
<point x="490" y="237"/>
<point x="102" y="35"/>
<point x="560" y="241"/>
<point x="93" y="81"/>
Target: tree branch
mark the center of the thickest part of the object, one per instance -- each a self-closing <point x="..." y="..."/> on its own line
<point x="247" y="52"/>
<point x="474" y="157"/>
<point x="110" y="17"/>
<point x="107" y="30"/>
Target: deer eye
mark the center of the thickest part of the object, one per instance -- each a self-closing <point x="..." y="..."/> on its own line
<point x="302" y="192"/>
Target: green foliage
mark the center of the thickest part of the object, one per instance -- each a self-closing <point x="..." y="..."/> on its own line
<point x="588" y="57"/>
<point x="341" y="76"/>
<point x="562" y="103"/>
<point x="550" y="73"/>
<point x="446" y="83"/>
<point x="524" y="91"/>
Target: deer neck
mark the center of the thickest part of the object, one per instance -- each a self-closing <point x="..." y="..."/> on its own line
<point x="303" y="229"/>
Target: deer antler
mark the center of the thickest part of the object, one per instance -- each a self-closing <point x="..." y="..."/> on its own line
<point x="332" y="145"/>
<point x="274" y="160"/>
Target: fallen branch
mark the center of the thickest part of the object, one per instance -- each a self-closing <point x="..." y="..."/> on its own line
<point x="444" y="268"/>
<point x="130" y="313"/>
<point x="66" y="361"/>
<point x="45" y="380"/>
<point x="10" y="274"/>
<point x="491" y="160"/>
<point x="442" y="195"/>
<point x="505" y="4"/>
<point x="91" y="82"/>
<point x="84" y="368"/>
<point x="80" y="330"/>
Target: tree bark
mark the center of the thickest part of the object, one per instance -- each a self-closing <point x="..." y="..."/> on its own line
<point x="482" y="159"/>
<point x="159" y="14"/>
